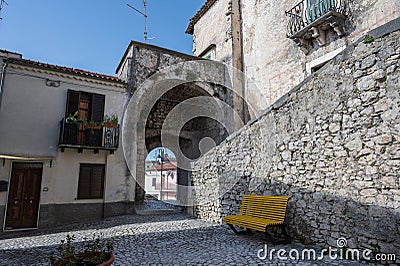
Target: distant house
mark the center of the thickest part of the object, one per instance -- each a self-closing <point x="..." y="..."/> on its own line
<point x="59" y="159"/>
<point x="161" y="181"/>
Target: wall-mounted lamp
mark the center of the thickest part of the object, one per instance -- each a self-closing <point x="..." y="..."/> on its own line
<point x="53" y="83"/>
<point x="50" y="164"/>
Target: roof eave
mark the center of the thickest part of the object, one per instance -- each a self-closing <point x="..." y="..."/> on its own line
<point x="190" y="28"/>
<point x="203" y="10"/>
<point x="123" y="57"/>
<point x="29" y="63"/>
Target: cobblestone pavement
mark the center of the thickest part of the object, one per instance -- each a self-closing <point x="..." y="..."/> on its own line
<point x="156" y="205"/>
<point x="173" y="239"/>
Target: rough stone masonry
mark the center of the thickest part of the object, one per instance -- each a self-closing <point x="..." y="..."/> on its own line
<point x="332" y="144"/>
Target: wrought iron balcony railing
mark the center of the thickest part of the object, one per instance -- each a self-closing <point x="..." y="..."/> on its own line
<point x="83" y="136"/>
<point x="312" y="13"/>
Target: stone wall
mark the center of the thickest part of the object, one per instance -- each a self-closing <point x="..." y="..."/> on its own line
<point x="332" y="144"/>
<point x="276" y="64"/>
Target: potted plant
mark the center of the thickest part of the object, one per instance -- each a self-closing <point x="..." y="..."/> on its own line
<point x="92" y="125"/>
<point x="73" y="118"/>
<point x="111" y="121"/>
<point x="95" y="252"/>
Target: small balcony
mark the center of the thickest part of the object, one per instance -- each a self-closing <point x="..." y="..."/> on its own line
<point x="310" y="19"/>
<point x="79" y="135"/>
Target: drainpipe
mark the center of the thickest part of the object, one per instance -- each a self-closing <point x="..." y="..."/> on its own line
<point x="239" y="86"/>
<point x="3" y="78"/>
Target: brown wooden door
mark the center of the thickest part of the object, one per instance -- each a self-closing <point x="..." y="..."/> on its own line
<point x="83" y="115"/>
<point x="24" y="196"/>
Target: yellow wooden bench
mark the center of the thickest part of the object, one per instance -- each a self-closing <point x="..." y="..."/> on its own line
<point x="260" y="212"/>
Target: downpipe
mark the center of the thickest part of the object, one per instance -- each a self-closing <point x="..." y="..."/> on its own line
<point x="3" y="78"/>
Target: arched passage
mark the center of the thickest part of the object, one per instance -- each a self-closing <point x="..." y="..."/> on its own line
<point x="187" y="107"/>
<point x="191" y="132"/>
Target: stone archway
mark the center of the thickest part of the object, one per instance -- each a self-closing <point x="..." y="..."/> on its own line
<point x="169" y="89"/>
<point x="190" y="135"/>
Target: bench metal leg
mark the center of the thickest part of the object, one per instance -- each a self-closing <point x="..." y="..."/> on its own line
<point x="287" y="239"/>
<point x="247" y="231"/>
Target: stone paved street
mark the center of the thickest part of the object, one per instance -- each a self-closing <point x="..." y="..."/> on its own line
<point x="173" y="239"/>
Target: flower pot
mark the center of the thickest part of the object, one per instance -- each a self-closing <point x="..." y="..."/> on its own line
<point x="93" y="127"/>
<point x="109" y="262"/>
<point x="109" y="125"/>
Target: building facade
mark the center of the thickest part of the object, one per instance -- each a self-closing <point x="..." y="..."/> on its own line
<point x="62" y="152"/>
<point x="60" y="161"/>
<point x="278" y="43"/>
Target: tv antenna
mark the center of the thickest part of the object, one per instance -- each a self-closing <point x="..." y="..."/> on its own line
<point x="144" y="14"/>
<point x="2" y="3"/>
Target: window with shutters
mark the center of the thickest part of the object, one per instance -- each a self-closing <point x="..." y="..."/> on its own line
<point x="83" y="127"/>
<point x="91" y="181"/>
<point x="90" y="106"/>
<point x="210" y="53"/>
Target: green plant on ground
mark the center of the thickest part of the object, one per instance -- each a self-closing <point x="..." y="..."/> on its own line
<point x="92" y="252"/>
<point x="368" y="39"/>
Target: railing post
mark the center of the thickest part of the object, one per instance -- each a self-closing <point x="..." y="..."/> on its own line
<point x="77" y="134"/>
<point x="304" y="14"/>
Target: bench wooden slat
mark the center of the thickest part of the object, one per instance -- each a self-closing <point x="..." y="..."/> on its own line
<point x="267" y="207"/>
<point x="258" y="212"/>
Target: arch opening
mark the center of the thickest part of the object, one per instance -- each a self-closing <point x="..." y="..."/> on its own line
<point x="161" y="174"/>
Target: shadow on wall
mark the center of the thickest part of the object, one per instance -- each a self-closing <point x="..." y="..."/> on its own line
<point x="318" y="217"/>
<point x="332" y="144"/>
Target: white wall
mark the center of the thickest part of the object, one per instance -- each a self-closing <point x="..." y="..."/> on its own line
<point x="29" y="126"/>
<point x="213" y="28"/>
<point x="31" y="111"/>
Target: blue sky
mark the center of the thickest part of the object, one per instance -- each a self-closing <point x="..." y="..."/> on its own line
<point x="153" y="154"/>
<point x="91" y="34"/>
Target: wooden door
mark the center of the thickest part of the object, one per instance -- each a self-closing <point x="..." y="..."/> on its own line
<point x="85" y="104"/>
<point x="24" y="196"/>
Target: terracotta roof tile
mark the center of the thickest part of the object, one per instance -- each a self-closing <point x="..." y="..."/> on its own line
<point x="165" y="167"/>
<point x="69" y="70"/>
<point x="207" y="5"/>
